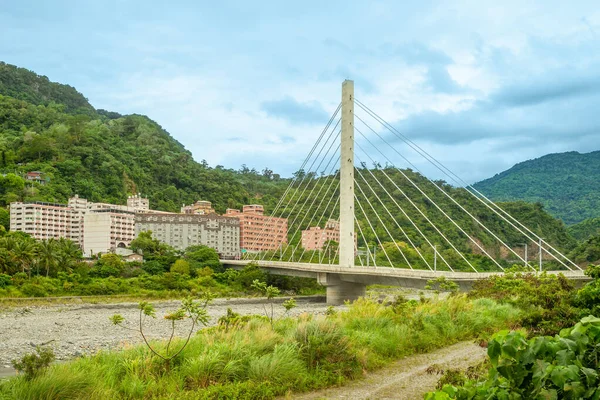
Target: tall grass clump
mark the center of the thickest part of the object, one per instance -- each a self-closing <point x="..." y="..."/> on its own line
<point x="253" y="359"/>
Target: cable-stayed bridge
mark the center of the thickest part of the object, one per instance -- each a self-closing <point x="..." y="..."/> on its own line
<point x="393" y="226"/>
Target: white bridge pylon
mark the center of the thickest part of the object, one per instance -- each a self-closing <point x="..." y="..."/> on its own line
<point x="385" y="216"/>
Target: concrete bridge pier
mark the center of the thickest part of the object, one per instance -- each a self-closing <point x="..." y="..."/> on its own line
<point x="338" y="290"/>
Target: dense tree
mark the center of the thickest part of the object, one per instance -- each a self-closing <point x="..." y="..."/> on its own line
<point x="47" y="254"/>
<point x="566" y="184"/>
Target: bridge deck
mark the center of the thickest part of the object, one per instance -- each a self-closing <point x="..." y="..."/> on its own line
<point x="383" y="272"/>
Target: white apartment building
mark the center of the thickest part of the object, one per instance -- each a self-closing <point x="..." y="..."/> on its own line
<point x="106" y="226"/>
<point x="107" y="230"/>
<point x="41" y="220"/>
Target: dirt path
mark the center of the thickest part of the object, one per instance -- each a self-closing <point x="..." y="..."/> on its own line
<point x="405" y="379"/>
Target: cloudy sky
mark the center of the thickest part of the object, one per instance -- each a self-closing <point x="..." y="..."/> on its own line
<point x="480" y="85"/>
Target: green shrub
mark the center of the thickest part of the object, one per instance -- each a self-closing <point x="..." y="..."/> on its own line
<point x="5" y="281"/>
<point x="20" y="278"/>
<point x="324" y="346"/>
<point x="181" y="267"/>
<point x="34" y="364"/>
<point x="248" y="275"/>
<point x="588" y="298"/>
<point x="153" y="267"/>
<point x="174" y="281"/>
<point x="98" y="287"/>
<point x="33" y="290"/>
<point x="565" y="366"/>
<point x="547" y="300"/>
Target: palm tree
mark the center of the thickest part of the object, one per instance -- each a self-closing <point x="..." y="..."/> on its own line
<point x="23" y="254"/>
<point x="47" y="253"/>
<point x="68" y="253"/>
<point x="7" y="262"/>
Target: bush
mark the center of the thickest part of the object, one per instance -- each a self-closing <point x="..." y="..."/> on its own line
<point x="588" y="298"/>
<point x="181" y="267"/>
<point x="34" y="364"/>
<point x="565" y="366"/>
<point x="5" y="280"/>
<point x="153" y="267"/>
<point x="19" y="278"/>
<point x="248" y="275"/>
<point x="33" y="290"/>
<point x="547" y="300"/>
<point x="99" y="287"/>
<point x="174" y="281"/>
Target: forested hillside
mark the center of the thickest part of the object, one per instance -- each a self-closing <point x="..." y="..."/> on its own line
<point x="585" y="229"/>
<point x="103" y="156"/>
<point x="567" y="184"/>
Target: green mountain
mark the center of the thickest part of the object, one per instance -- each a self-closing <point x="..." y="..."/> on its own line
<point x="567" y="184"/>
<point x="585" y="229"/>
<point x="104" y="156"/>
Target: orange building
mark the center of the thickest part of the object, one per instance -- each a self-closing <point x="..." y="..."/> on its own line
<point x="314" y="238"/>
<point x="259" y="232"/>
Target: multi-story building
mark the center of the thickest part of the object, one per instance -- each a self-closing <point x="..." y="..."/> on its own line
<point x="259" y="232"/>
<point x="138" y="203"/>
<point x="202" y="207"/>
<point x="184" y="230"/>
<point x="106" y="226"/>
<point x="107" y="230"/>
<point x="315" y="238"/>
<point x="41" y="220"/>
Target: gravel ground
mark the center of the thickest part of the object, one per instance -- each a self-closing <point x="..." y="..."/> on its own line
<point x="74" y="330"/>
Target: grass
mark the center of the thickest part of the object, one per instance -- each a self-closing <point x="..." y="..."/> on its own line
<point x="255" y="361"/>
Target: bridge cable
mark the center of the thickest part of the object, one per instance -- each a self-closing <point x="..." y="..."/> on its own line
<point x="263" y="232"/>
<point x="438" y="207"/>
<point x="311" y="191"/>
<point x="307" y="174"/>
<point x="403" y="212"/>
<point x="333" y="179"/>
<point x="469" y="188"/>
<point x="331" y="119"/>
<point x="390" y="214"/>
<point x="356" y="248"/>
<point x="364" y="241"/>
<point x="383" y="224"/>
<point x="373" y="229"/>
<point x="337" y="202"/>
<point x="333" y="194"/>
<point x="424" y="216"/>
<point x="445" y="193"/>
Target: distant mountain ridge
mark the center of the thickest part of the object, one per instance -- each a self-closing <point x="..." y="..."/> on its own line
<point x="567" y="184"/>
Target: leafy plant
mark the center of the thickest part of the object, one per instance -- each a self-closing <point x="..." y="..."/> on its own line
<point x="565" y="366"/>
<point x="547" y="300"/>
<point x="441" y="284"/>
<point x="34" y="364"/>
<point x="289" y="305"/>
<point x="195" y="311"/>
<point x="270" y="292"/>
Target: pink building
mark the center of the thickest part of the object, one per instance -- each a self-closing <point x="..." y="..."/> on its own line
<point x="259" y="232"/>
<point x="314" y="238"/>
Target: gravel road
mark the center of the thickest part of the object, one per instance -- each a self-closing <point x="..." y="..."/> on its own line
<point x="406" y="379"/>
<point x="74" y="330"/>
